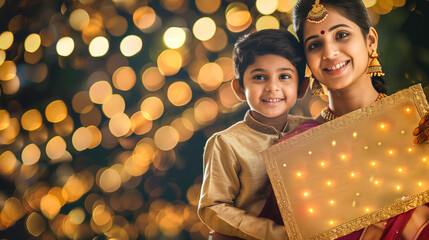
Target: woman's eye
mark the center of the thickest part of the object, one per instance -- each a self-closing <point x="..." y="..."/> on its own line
<point x="342" y="35"/>
<point x="313" y="45"/>
<point x="284" y="76"/>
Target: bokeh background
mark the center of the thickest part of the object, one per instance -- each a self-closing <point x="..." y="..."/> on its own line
<point x="106" y="106"/>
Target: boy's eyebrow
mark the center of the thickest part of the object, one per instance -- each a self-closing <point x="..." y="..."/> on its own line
<point x="329" y="30"/>
<point x="263" y="70"/>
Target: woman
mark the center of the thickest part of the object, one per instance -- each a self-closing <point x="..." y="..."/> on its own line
<point x="341" y="50"/>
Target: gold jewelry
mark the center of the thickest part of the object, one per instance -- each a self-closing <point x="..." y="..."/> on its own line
<point x="374" y="67"/>
<point x="318" y="13"/>
<point x="316" y="88"/>
<point x="328" y="115"/>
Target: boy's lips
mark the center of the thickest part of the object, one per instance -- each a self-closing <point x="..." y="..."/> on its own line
<point x="273" y="100"/>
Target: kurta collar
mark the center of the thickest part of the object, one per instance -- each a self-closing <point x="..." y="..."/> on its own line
<point x="260" y="127"/>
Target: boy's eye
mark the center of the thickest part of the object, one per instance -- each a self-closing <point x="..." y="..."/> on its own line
<point x="284" y="76"/>
<point x="341" y="35"/>
<point x="259" y="77"/>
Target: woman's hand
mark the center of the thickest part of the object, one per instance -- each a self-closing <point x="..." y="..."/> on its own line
<point x="422" y="131"/>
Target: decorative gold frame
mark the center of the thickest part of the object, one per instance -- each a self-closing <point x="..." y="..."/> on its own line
<point x="276" y="162"/>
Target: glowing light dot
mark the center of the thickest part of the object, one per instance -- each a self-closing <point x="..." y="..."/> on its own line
<point x="352" y="174"/>
<point x="65" y="46"/>
<point x="407" y="109"/>
<point x="402" y="132"/>
<point x="343" y="156"/>
<point x="420" y="184"/>
<point x="424" y="159"/>
<point x="310" y="210"/>
<point x="332" y="202"/>
<point x="410" y="149"/>
<point x="400" y="170"/>
<point x="306" y="194"/>
<point x="355" y="134"/>
<point x="174" y="37"/>
<point x="382" y="126"/>
<point x="284" y="164"/>
<point x="367" y="209"/>
<point x="331" y="222"/>
<point x="372" y="163"/>
<point x="390" y="152"/>
<point x="309" y="153"/>
<point x="131" y="45"/>
<point x="376" y="182"/>
<point x="334" y="143"/>
<point x="98" y="46"/>
<point x="322" y="164"/>
<point x="366" y="147"/>
<point x="298" y="174"/>
<point x="379" y="143"/>
<point x="329" y="183"/>
<point x="398" y="187"/>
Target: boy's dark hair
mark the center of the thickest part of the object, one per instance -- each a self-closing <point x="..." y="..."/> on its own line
<point x="268" y="41"/>
<point x="354" y="10"/>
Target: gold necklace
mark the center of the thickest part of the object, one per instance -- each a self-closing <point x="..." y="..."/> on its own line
<point x="328" y="115"/>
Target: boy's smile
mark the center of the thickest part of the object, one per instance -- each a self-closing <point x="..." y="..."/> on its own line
<point x="270" y="85"/>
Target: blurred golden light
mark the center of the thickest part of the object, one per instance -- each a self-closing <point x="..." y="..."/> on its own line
<point x="286" y="6"/>
<point x="4" y="119"/>
<point x="399" y="3"/>
<point x="13" y="209"/>
<point x="177" y="6"/>
<point x="110" y="180"/>
<point x="169" y="62"/>
<point x="267" y="22"/>
<point x="76" y="216"/>
<point x="227" y="68"/>
<point x="179" y="93"/>
<point x="7" y="70"/>
<point x="79" y="19"/>
<point x="208" y="6"/>
<point x="50" y="206"/>
<point x="56" y="111"/>
<point x="210" y="76"/>
<point x="9" y="134"/>
<point x="131" y="45"/>
<point x="218" y="42"/>
<point x="94" y="29"/>
<point x="30" y="154"/>
<point x="117" y="25"/>
<point x="119" y="125"/>
<point x="35" y="224"/>
<point x="100" y="92"/>
<point x="32" y="42"/>
<point x="140" y="124"/>
<point x="33" y="58"/>
<point x="204" y="28"/>
<point x="99" y="46"/>
<point x="12" y="86"/>
<point x="92" y="117"/>
<point x="82" y="139"/>
<point x="166" y="138"/>
<point x="114" y="105"/>
<point x="152" y="108"/>
<point x="152" y="79"/>
<point x="206" y="110"/>
<point x="227" y="96"/>
<point x="382" y="7"/>
<point x="174" y="37"/>
<point x="369" y="3"/>
<point x="6" y="40"/>
<point x="238" y="17"/>
<point x="65" y="127"/>
<point x="31" y="120"/>
<point x="95" y="136"/>
<point x="266" y="6"/>
<point x="2" y="56"/>
<point x="144" y="17"/>
<point x="124" y="78"/>
<point x="8" y="163"/>
<point x="56" y="147"/>
<point x="65" y="46"/>
<point x="101" y="215"/>
<point x="184" y="127"/>
<point x="81" y="102"/>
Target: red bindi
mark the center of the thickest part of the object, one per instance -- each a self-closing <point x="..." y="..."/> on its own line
<point x="322" y="32"/>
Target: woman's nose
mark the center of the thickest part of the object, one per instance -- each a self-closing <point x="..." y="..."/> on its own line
<point x="330" y="50"/>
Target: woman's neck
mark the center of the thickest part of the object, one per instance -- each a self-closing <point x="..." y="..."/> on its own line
<point x="278" y="122"/>
<point x="352" y="98"/>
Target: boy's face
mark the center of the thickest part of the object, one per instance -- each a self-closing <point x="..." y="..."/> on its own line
<point x="270" y="85"/>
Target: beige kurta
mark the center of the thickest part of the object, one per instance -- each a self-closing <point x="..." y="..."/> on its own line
<point x="235" y="184"/>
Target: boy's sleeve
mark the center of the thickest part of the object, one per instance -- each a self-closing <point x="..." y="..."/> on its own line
<point x="220" y="187"/>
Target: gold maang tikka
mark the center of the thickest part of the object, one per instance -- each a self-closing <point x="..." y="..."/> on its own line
<point x="318" y="13"/>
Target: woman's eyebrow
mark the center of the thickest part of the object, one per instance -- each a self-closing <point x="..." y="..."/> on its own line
<point x="329" y="30"/>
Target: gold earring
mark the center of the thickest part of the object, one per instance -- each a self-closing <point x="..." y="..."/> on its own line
<point x="374" y="67"/>
<point x="316" y="88"/>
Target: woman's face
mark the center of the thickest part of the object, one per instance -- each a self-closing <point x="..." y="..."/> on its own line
<point x="337" y="52"/>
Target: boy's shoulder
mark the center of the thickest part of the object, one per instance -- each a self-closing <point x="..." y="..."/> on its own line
<point x="232" y="130"/>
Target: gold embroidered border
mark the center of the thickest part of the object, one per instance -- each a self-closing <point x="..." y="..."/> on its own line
<point x="400" y="206"/>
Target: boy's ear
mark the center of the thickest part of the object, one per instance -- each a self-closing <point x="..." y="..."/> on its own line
<point x="238" y="90"/>
<point x="372" y="40"/>
<point x="302" y="88"/>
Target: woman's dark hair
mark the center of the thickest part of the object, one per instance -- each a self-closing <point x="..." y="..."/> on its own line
<point x="354" y="10"/>
<point x="269" y="41"/>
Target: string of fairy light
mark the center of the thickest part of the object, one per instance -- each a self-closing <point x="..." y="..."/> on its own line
<point x="182" y="87"/>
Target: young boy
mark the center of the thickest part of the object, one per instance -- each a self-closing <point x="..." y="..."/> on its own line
<point x="269" y="74"/>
